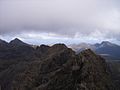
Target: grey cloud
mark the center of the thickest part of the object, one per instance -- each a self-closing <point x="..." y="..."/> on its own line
<point x="62" y="17"/>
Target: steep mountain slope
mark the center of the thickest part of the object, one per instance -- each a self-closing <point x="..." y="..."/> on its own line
<point x="64" y="70"/>
<point x="3" y="48"/>
<point x="10" y="56"/>
<point x="115" y="71"/>
<point x="60" y="69"/>
<point x="54" y="68"/>
<point x="3" y="43"/>
<point x="15" y="49"/>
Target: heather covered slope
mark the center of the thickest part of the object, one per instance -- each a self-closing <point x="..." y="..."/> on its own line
<point x="54" y="68"/>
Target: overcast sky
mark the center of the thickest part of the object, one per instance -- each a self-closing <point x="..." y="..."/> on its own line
<point x="65" y="21"/>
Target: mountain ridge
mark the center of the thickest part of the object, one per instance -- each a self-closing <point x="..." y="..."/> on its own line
<point x="17" y="42"/>
<point x="107" y="49"/>
<point x="56" y="67"/>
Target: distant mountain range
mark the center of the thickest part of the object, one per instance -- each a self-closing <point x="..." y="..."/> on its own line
<point x="106" y="49"/>
<point x="57" y="67"/>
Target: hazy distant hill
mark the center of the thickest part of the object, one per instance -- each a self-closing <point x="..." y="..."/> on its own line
<point x="106" y="49"/>
<point x="52" y="68"/>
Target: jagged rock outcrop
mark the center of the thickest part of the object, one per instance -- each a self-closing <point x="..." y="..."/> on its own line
<point x="64" y="70"/>
<point x="52" y="68"/>
<point x="41" y="50"/>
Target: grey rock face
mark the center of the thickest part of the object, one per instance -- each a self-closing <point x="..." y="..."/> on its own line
<point x="55" y="68"/>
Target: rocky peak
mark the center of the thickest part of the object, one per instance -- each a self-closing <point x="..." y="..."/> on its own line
<point x="58" y="47"/>
<point x="17" y="42"/>
<point x="88" y="52"/>
<point x="106" y="43"/>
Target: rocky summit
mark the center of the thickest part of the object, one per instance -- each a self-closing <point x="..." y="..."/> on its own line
<point x="54" y="68"/>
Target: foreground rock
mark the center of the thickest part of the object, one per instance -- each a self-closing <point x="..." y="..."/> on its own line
<point x="57" y="68"/>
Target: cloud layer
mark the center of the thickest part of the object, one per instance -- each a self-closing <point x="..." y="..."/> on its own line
<point x="97" y="19"/>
